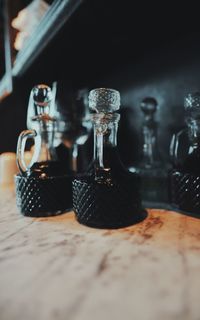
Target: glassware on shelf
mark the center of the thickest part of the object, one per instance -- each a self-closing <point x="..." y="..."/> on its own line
<point x="151" y="167"/>
<point x="185" y="155"/>
<point x="107" y="196"/>
<point x="44" y="186"/>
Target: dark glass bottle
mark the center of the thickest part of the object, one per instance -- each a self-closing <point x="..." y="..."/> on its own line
<point x="185" y="153"/>
<point x="44" y="186"/>
<point x="108" y="195"/>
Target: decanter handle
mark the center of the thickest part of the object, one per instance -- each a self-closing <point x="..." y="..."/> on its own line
<point x="173" y="148"/>
<point x="21" y="144"/>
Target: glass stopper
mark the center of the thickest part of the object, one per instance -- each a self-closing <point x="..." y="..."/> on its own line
<point x="42" y="98"/>
<point x="42" y="95"/>
<point x="149" y="105"/>
<point x="104" y="100"/>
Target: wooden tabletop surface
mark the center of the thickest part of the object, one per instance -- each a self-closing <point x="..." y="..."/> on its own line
<point x="55" y="268"/>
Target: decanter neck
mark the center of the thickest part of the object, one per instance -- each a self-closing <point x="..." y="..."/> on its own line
<point x="105" y="138"/>
<point x="104" y="102"/>
<point x="46" y="131"/>
<point x="150" y="156"/>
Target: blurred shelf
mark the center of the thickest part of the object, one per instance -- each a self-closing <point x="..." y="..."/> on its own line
<point x="86" y="41"/>
<point x="56" y="16"/>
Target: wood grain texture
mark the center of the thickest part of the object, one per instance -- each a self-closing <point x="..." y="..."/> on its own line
<point x="55" y="268"/>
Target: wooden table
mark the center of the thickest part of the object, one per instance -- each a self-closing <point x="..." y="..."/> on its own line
<point x="54" y="268"/>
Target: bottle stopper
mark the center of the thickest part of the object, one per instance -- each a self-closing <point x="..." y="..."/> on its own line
<point x="104" y="100"/>
<point x="149" y="106"/>
<point x="42" y="100"/>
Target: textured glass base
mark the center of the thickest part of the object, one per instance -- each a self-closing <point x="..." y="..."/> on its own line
<point x="38" y="197"/>
<point x="185" y="192"/>
<point x="106" y="206"/>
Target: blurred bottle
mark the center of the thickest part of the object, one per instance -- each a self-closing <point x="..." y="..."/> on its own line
<point x="185" y="155"/>
<point x="44" y="185"/>
<point x="151" y="167"/>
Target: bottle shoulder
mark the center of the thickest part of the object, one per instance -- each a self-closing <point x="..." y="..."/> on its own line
<point x="48" y="169"/>
<point x="115" y="174"/>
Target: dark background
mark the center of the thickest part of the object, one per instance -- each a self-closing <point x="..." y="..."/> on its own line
<point x="141" y="49"/>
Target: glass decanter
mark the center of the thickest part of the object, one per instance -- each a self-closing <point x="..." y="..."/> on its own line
<point x="44" y="186"/>
<point x="152" y="169"/>
<point x="185" y="154"/>
<point x="107" y="196"/>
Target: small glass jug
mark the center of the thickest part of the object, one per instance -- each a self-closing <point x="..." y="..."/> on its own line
<point x="44" y="186"/>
